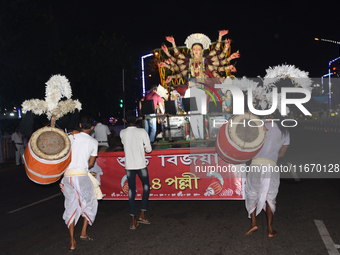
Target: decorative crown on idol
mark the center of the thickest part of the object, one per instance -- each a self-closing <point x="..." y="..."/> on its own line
<point x="198" y="38"/>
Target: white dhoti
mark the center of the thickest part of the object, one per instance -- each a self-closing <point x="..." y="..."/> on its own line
<point x="262" y="185"/>
<point x="79" y="199"/>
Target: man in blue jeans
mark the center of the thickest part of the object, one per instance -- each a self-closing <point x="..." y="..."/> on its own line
<point x="136" y="142"/>
<point x="150" y="120"/>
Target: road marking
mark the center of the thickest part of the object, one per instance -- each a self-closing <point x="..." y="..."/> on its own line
<point x="296" y="177"/>
<point x="40" y="201"/>
<point x="327" y="240"/>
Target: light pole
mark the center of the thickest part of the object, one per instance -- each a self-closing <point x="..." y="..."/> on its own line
<point x="329" y="79"/>
<point x="329" y="71"/>
<point x="143" y="76"/>
<point x="123" y="96"/>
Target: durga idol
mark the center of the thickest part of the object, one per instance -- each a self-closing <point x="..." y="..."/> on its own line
<point x="199" y="66"/>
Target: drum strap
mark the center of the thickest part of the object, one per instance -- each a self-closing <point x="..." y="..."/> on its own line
<point x="263" y="161"/>
<point x="74" y="172"/>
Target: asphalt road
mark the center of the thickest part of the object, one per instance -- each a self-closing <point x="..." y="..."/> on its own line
<point x="31" y="216"/>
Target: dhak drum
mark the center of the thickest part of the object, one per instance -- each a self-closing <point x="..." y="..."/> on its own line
<point x="47" y="155"/>
<point x="241" y="138"/>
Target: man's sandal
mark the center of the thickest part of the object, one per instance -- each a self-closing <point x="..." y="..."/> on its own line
<point x="86" y="238"/>
<point x="145" y="221"/>
<point x="132" y="227"/>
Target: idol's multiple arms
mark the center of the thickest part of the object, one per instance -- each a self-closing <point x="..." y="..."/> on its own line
<point x="217" y="60"/>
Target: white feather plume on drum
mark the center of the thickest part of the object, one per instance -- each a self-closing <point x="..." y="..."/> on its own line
<point x="48" y="152"/>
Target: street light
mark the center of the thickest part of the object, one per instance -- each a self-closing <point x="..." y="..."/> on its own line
<point x="143" y="78"/>
<point x="329" y="70"/>
<point x="325" y="40"/>
<point x="329" y="79"/>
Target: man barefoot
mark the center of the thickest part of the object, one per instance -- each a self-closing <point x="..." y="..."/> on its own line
<point x="251" y="230"/>
<point x="270" y="216"/>
<point x="76" y="185"/>
<point x="262" y="183"/>
<point x="254" y="227"/>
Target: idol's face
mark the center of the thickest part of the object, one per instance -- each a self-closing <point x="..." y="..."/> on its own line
<point x="197" y="51"/>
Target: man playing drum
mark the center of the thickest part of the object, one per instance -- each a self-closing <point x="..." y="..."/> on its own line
<point x="262" y="183"/>
<point x="76" y="185"/>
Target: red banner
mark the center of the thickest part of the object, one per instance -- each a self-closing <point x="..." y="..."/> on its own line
<point x="175" y="174"/>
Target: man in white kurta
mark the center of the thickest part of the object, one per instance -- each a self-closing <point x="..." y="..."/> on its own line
<point x="262" y="183"/>
<point x="76" y="185"/>
<point x="18" y="143"/>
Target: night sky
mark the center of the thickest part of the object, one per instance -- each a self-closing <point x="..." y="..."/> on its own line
<point x="266" y="34"/>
